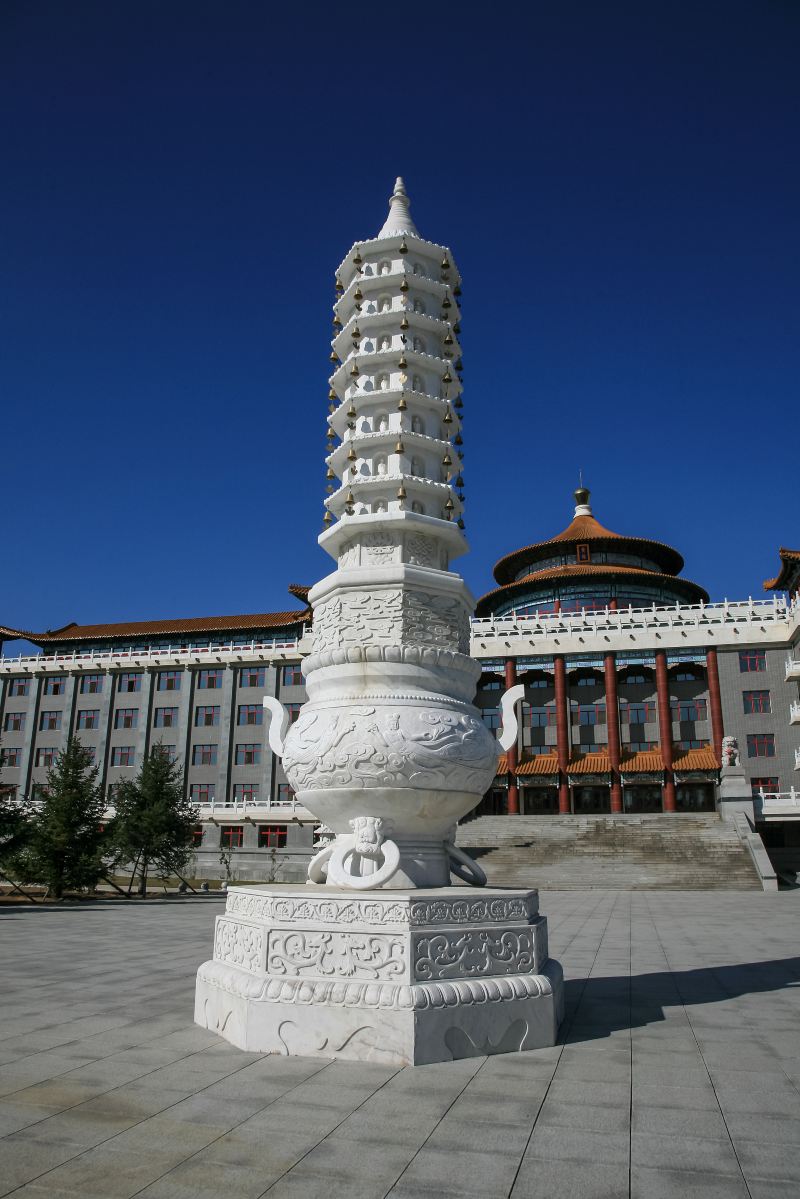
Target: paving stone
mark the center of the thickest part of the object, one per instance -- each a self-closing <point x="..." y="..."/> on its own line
<point x="685" y="1184"/>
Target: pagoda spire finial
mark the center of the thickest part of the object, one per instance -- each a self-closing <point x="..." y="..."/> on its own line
<point x="399" y="218"/>
<point x="582" y="506"/>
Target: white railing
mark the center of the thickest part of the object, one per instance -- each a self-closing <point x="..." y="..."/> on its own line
<point x="780" y="803"/>
<point x="147" y="654"/>
<point x="243" y="807"/>
<point x="543" y="624"/>
<point x="792" y="667"/>
<point x="794" y="712"/>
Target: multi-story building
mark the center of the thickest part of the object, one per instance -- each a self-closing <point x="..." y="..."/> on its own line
<point x="625" y="706"/>
<point x="196" y="687"/>
<point x="632" y="677"/>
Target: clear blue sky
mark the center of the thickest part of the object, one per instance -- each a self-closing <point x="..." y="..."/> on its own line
<point x="619" y="183"/>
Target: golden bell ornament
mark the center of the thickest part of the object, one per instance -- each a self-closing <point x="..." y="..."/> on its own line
<point x="459" y="481"/>
<point x="399" y="448"/>
<point x="447" y="460"/>
<point x="358" y="294"/>
<point x="327" y="518"/>
<point x="357" y="259"/>
<point x="447" y="419"/>
<point x="456" y="290"/>
<point x="404" y="323"/>
<point x="401" y="404"/>
<point x="334" y="356"/>
<point x="330" y="474"/>
<point x="354" y="372"/>
<point x="402" y="248"/>
<point x="402" y="363"/>
<point x="339" y="285"/>
<point x="401" y="492"/>
<point x="458" y="440"/>
<point x="404" y="285"/>
<point x="447" y="377"/>
<point x="460" y="523"/>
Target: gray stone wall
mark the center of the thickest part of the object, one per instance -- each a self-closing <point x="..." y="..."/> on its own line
<point x="733" y="684"/>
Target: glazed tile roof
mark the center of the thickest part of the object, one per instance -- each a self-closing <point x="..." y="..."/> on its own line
<point x="789" y="574"/>
<point x="163" y="628"/>
<point x="644" y="761"/>
<point x="586" y="528"/>
<point x="538" y="764"/>
<point x="591" y="763"/>
<point x="692" y="592"/>
<point x="696" y="759"/>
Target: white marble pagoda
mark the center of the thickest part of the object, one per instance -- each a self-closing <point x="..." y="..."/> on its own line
<point x="380" y="958"/>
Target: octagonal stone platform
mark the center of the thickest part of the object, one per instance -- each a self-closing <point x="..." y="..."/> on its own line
<point x="399" y="977"/>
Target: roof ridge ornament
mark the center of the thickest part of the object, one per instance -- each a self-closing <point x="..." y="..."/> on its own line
<point x="399" y="219"/>
<point x="582" y="505"/>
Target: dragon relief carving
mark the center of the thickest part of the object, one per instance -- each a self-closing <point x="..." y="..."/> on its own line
<point x="372" y="956"/>
<point x="416" y="747"/>
<point x="393" y="616"/>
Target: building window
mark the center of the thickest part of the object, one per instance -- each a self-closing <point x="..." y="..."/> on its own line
<point x="589" y="714"/>
<point x="50" y="720"/>
<point x="637" y="713"/>
<point x="587" y="680"/>
<point x="761" y="745"/>
<point x="91" y="684"/>
<point x="169" y="680"/>
<point x="39" y="792"/>
<point x="248" y="753"/>
<point x="14" y="722"/>
<point x="492" y="685"/>
<point x="19" y="687"/>
<point x="491" y="717"/>
<point x="209" y="679"/>
<point x="131" y="681"/>
<point x="122" y="755"/>
<point x="294" y="711"/>
<point x="636" y="679"/>
<point x="126" y="718"/>
<point x="252" y="676"/>
<point x="537" y="718"/>
<point x="756" y="701"/>
<point x="285" y="794"/>
<point x="539" y="683"/>
<point x="231" y="836"/>
<point x="249" y="714"/>
<point x="197" y="836"/>
<point x="205" y="716"/>
<point x="636" y="747"/>
<point x="685" y="676"/>
<point x="88" y="718"/>
<point x="769" y="784"/>
<point x="165" y="718"/>
<point x="292" y="675"/>
<point x="690" y="743"/>
<point x="271" y="836"/>
<point x="245" y="792"/>
<point x="689" y="709"/>
<point x="90" y="752"/>
<point x="9" y="757"/>
<point x="55" y="684"/>
<point x="169" y="750"/>
<point x="202" y="793"/>
<point x="752" y="659"/>
<point x="204" y="755"/>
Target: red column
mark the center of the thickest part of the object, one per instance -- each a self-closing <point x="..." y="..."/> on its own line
<point x="562" y="734"/>
<point x="612" y="722"/>
<point x="715" y="702"/>
<point x="665" y="728"/>
<point x="512" y="754"/>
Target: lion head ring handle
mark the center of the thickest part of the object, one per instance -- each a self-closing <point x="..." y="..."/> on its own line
<point x="368" y="844"/>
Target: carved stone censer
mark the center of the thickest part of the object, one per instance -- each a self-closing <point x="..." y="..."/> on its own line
<point x="389" y="751"/>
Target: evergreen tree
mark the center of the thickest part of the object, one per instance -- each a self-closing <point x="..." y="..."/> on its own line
<point x="153" y="827"/>
<point x="66" y="843"/>
<point x="14" y="831"/>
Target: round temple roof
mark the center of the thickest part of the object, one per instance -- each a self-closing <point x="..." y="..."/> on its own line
<point x="585" y="552"/>
<point x="585" y="528"/>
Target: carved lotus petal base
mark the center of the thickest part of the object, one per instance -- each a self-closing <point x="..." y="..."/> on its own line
<point x="404" y="978"/>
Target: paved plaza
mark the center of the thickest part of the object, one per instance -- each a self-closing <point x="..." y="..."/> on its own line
<point x="678" y="1072"/>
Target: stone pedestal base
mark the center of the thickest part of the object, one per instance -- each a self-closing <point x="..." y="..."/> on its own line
<point x="401" y="977"/>
<point x="735" y="794"/>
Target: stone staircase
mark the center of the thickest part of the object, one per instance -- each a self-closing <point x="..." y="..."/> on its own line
<point x="626" y="853"/>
